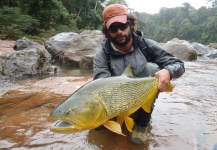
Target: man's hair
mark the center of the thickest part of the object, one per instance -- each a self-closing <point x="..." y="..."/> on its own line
<point x="133" y="22"/>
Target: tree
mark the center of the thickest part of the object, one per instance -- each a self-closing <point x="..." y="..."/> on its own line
<point x="187" y="30"/>
<point x="211" y="28"/>
<point x="214" y="2"/>
<point x="9" y="3"/>
<point x="49" y="12"/>
<point x="14" y="23"/>
<point x="123" y="2"/>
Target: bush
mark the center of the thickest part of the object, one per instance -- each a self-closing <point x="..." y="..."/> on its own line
<point x="14" y="22"/>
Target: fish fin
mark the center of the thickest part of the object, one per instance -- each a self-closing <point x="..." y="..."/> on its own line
<point x="169" y="88"/>
<point x="150" y="99"/>
<point x="128" y="71"/>
<point x="129" y="123"/>
<point x="146" y="108"/>
<point x="114" y="127"/>
<point x="120" y="120"/>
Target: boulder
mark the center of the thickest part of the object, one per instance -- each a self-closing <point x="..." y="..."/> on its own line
<point x="58" y="43"/>
<point x="212" y="54"/>
<point x="179" y="41"/>
<point x="24" y="43"/>
<point x="182" y="50"/>
<point x="201" y="49"/>
<point x="83" y="46"/>
<point x="213" y="45"/>
<point x="30" y="58"/>
<point x="24" y="62"/>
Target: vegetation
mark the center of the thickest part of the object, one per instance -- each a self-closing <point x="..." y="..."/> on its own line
<point x="182" y="22"/>
<point x="43" y="19"/>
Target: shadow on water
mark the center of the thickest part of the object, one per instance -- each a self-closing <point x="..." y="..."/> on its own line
<point x="183" y="120"/>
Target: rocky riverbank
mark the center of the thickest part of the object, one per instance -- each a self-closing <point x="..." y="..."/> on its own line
<point x="6" y="46"/>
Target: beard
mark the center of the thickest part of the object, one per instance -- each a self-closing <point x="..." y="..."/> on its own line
<point x="127" y="39"/>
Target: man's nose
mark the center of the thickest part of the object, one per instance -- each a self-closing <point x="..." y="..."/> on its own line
<point x="119" y="30"/>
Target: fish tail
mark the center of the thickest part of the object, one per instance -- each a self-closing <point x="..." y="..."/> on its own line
<point x="170" y="88"/>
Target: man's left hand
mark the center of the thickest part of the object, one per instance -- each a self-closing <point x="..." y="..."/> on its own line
<point x="163" y="76"/>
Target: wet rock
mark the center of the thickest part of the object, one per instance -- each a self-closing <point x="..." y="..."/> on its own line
<point x="212" y="54"/>
<point x="86" y="61"/>
<point x="201" y="49"/>
<point x="52" y="69"/>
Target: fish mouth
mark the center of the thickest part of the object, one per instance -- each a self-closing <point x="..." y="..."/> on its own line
<point x="62" y="127"/>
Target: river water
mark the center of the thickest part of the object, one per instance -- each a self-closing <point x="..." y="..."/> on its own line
<point x="182" y="120"/>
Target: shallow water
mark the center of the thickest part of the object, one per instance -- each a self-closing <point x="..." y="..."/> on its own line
<point x="183" y="120"/>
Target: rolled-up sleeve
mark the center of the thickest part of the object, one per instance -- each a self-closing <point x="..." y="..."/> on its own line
<point x="176" y="70"/>
<point x="166" y="60"/>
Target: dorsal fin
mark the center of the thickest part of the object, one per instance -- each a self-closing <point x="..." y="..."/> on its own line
<point x="128" y="71"/>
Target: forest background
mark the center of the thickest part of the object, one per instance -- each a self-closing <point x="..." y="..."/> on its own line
<point x="41" y="19"/>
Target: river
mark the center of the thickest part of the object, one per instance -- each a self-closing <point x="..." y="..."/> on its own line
<point x="182" y="120"/>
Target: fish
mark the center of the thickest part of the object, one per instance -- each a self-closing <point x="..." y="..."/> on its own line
<point x="100" y="101"/>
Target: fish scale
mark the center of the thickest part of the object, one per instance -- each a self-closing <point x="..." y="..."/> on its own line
<point x="127" y="92"/>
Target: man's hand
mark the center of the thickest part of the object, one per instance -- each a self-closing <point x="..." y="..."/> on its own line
<point x="163" y="76"/>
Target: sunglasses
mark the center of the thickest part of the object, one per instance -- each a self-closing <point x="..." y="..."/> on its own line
<point x="121" y="26"/>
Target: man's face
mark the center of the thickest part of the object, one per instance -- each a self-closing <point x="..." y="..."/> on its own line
<point x="120" y="34"/>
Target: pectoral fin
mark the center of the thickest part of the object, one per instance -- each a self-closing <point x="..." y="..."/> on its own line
<point x="146" y="108"/>
<point x="114" y="127"/>
<point x="129" y="123"/>
<point x="120" y="120"/>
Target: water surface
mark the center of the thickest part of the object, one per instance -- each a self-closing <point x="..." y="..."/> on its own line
<point x="183" y="120"/>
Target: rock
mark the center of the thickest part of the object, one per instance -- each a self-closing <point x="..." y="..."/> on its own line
<point x="78" y="50"/>
<point x="25" y="44"/>
<point x="84" y="44"/>
<point x="30" y="58"/>
<point x="212" y="54"/>
<point x="179" y="41"/>
<point x="181" y="50"/>
<point x="213" y="45"/>
<point x="201" y="49"/>
<point x="86" y="61"/>
<point x="58" y="43"/>
<point x="52" y="69"/>
<point x="3" y="80"/>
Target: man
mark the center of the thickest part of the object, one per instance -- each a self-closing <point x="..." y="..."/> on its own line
<point x="121" y="47"/>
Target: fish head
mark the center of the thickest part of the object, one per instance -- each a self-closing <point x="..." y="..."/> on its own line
<point x="77" y="113"/>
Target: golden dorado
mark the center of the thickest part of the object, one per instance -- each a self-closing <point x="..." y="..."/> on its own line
<point x="98" y="101"/>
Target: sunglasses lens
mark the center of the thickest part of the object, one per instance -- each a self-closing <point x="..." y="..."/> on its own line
<point x="121" y="26"/>
<point x="113" y="29"/>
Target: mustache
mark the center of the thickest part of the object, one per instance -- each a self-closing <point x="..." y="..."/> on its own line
<point x="120" y="36"/>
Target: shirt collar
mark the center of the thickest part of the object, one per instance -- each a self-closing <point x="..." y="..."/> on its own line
<point x="112" y="45"/>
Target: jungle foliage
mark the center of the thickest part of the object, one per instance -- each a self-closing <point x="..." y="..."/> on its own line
<point x="45" y="18"/>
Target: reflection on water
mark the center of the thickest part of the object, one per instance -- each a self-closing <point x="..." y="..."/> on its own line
<point x="63" y="71"/>
<point x="184" y="119"/>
